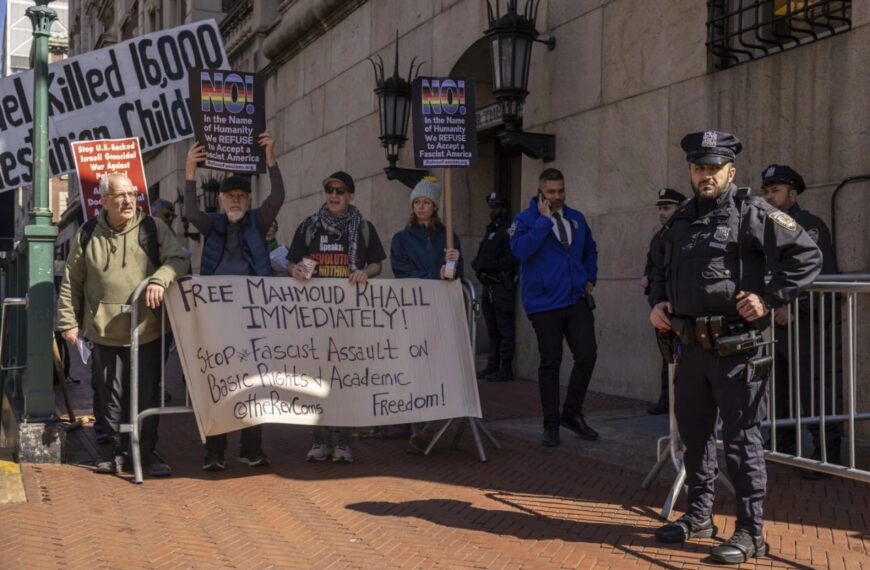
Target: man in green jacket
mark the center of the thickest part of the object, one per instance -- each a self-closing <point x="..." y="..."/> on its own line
<point x="98" y="283"/>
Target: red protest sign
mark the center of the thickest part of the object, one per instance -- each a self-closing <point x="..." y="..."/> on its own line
<point x="95" y="159"/>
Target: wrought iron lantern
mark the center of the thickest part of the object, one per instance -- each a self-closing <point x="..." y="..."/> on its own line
<point x="211" y="189"/>
<point x="394" y="107"/>
<point x="511" y="36"/>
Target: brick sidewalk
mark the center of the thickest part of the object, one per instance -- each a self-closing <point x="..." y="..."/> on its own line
<point x="529" y="507"/>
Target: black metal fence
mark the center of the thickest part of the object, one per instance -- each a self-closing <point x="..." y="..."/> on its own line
<point x="742" y="30"/>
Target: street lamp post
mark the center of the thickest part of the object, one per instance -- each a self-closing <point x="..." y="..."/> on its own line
<point x="511" y="36"/>
<point x="41" y="438"/>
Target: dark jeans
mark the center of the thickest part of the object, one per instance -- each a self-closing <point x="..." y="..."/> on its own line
<point x="498" y="313"/>
<point x="250" y="444"/>
<point x="705" y="384"/>
<point x="576" y="325"/>
<point x="111" y="375"/>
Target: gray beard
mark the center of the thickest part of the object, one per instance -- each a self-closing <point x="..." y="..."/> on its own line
<point x="235" y="217"/>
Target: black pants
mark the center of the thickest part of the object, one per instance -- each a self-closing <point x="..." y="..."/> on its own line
<point x="808" y="375"/>
<point x="705" y="384"/>
<point x="575" y="324"/>
<point x="664" y="378"/>
<point x="250" y="444"/>
<point x="111" y="375"/>
<point x="498" y="313"/>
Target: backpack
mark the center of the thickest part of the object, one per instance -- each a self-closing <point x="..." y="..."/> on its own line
<point x="147" y="238"/>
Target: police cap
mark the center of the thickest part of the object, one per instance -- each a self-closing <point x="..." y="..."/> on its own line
<point x="669" y="196"/>
<point x="494" y="199"/>
<point x="711" y="147"/>
<point x="781" y="174"/>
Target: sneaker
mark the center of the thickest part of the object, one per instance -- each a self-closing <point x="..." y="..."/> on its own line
<point x="318" y="452"/>
<point x="500" y="376"/>
<point x="154" y="466"/>
<point x="481" y="374"/>
<point x="113" y="466"/>
<point x="419" y="443"/>
<point x="213" y="462"/>
<point x="739" y="548"/>
<point x="342" y="453"/>
<point x="255" y="459"/>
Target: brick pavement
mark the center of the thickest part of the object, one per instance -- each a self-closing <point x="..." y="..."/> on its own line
<point x="529" y="507"/>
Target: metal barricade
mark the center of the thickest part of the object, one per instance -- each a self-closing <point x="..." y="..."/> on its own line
<point x="134" y="425"/>
<point x="830" y="321"/>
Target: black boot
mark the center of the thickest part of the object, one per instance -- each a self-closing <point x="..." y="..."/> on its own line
<point x="686" y="527"/>
<point x="500" y="376"/>
<point x="739" y="548"/>
<point x="481" y="374"/>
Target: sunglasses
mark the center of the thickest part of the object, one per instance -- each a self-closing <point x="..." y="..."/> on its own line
<point x="334" y="190"/>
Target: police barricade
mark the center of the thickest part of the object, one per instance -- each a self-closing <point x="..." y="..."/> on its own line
<point x="827" y="317"/>
<point x="134" y="426"/>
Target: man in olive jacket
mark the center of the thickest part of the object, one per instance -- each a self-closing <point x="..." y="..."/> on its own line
<point x="98" y="282"/>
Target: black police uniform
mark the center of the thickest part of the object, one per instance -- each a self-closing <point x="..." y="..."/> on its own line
<point x="710" y="252"/>
<point x="496" y="269"/>
<point x="665" y="196"/>
<point x="809" y="353"/>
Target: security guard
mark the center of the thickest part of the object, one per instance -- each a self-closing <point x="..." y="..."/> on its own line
<point x="708" y="288"/>
<point x="667" y="203"/>
<point x="496" y="269"/>
<point x="782" y="186"/>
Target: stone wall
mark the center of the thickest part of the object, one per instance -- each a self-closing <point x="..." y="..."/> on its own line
<point x="619" y="91"/>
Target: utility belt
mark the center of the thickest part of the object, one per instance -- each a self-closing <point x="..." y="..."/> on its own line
<point x="507" y="278"/>
<point x="716" y="333"/>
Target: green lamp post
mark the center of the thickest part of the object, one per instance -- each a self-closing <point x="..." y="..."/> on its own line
<point x="40" y="435"/>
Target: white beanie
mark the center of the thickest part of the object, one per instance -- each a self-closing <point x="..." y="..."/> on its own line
<point x="428" y="187"/>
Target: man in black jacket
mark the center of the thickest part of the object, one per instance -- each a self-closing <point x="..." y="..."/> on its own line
<point x="496" y="269"/>
<point x="667" y="204"/>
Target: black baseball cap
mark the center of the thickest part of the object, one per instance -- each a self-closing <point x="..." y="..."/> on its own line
<point x="711" y="147"/>
<point x="494" y="199"/>
<point x="236" y="182"/>
<point x="779" y="173"/>
<point x="342" y="177"/>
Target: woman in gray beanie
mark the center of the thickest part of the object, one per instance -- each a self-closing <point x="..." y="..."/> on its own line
<point x="420" y="251"/>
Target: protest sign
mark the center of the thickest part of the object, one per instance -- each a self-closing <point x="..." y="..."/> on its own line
<point x="137" y="88"/>
<point x="95" y="159"/>
<point x="229" y="113"/>
<point x="445" y="131"/>
<point x="275" y="350"/>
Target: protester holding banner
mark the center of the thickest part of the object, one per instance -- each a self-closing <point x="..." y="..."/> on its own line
<point x="420" y="251"/>
<point x="235" y="244"/>
<point x="107" y="262"/>
<point x="335" y="241"/>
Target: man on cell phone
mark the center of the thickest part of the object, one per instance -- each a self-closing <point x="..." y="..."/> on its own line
<point x="558" y="269"/>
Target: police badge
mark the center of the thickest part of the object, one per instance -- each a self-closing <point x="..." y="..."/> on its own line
<point x="710" y="139"/>
<point x="814" y="234"/>
<point x="722" y="233"/>
<point x="783" y="219"/>
<point x="512" y="229"/>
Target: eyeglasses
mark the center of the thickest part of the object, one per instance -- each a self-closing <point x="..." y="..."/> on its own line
<point x="123" y="196"/>
<point x="335" y="190"/>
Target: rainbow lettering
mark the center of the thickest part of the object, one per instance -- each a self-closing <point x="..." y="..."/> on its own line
<point x="443" y="95"/>
<point x="235" y="92"/>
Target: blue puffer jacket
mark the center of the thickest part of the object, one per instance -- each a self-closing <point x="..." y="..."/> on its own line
<point x="551" y="277"/>
<point x="417" y="252"/>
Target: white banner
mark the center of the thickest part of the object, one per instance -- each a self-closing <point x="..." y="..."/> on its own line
<point x="137" y="88"/>
<point x="274" y="350"/>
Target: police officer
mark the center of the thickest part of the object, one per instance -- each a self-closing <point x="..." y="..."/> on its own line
<point x="668" y="201"/>
<point x="496" y="269"/>
<point x="782" y="185"/>
<point x="708" y="288"/>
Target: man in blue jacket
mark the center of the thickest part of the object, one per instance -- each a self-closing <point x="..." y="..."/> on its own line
<point x="558" y="269"/>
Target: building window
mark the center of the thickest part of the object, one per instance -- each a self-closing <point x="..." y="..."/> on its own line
<point x="742" y="30"/>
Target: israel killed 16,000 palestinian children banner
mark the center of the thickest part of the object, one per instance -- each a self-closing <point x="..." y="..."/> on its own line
<point x="256" y="350"/>
<point x="137" y="88"/>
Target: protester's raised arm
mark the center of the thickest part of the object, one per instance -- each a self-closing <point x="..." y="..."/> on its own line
<point x="200" y="220"/>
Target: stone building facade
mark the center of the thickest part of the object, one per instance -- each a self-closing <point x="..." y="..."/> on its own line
<point x="620" y="89"/>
